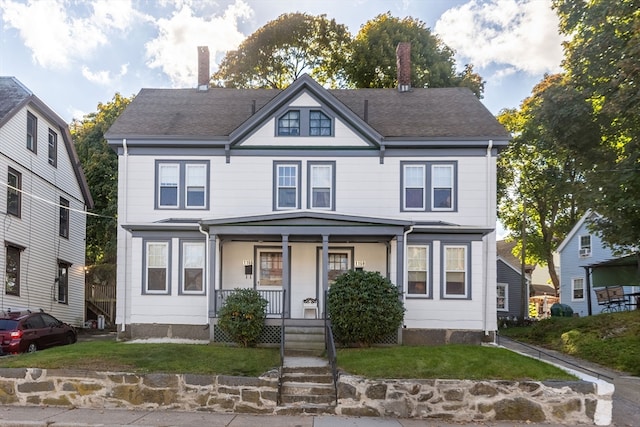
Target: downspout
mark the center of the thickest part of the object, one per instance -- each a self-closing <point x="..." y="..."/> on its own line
<point x="486" y="246"/>
<point x="404" y="262"/>
<point x="126" y="257"/>
<point x="206" y="269"/>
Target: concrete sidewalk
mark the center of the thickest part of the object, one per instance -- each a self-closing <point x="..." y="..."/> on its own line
<point x="34" y="416"/>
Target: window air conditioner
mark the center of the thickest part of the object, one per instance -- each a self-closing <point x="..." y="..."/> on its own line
<point x="585" y="252"/>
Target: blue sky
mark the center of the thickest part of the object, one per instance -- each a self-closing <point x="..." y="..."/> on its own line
<point x="74" y="54"/>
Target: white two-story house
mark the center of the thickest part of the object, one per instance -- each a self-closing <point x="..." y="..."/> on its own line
<point x="283" y="190"/>
<point x="43" y="200"/>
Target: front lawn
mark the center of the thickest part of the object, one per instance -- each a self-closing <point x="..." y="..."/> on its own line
<point x="444" y="362"/>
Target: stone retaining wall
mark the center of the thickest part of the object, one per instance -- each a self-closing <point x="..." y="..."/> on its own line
<point x="568" y="403"/>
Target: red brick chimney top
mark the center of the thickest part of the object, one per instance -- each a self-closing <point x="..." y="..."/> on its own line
<point x="403" y="61"/>
<point x="203" y="68"/>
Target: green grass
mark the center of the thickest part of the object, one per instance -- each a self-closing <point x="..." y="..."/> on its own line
<point x="611" y="339"/>
<point x="446" y="362"/>
<point x="145" y="358"/>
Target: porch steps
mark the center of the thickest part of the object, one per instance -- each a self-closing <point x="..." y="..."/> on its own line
<point x="307" y="386"/>
<point x="304" y="338"/>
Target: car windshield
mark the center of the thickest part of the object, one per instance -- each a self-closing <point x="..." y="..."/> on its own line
<point x="8" y="324"/>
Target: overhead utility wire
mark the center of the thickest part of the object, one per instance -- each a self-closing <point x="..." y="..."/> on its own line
<point x="54" y="203"/>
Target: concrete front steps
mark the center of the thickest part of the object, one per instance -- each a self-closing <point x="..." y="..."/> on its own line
<point x="307" y="386"/>
<point x="304" y="337"/>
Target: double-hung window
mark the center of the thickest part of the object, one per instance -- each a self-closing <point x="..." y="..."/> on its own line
<point x="182" y="185"/>
<point x="63" y="282"/>
<point x="418" y="271"/>
<point x="502" y="297"/>
<point x="193" y="258"/>
<point x="32" y="132"/>
<point x="14" y="193"/>
<point x="289" y="123"/>
<point x="168" y="179"/>
<point x="414" y="187"/>
<point x="585" y="245"/>
<point x="53" y="148"/>
<point x="456" y="280"/>
<point x="577" y="289"/>
<point x="286" y="185"/>
<point x="441" y="187"/>
<point x="321" y="179"/>
<point x="64" y="218"/>
<point x="156" y="268"/>
<point x="428" y="186"/>
<point x="196" y="177"/>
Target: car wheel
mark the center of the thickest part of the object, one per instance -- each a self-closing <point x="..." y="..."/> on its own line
<point x="71" y="338"/>
<point x="32" y="348"/>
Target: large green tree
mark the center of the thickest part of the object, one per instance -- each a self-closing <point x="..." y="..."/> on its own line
<point x="602" y="58"/>
<point x="285" y="48"/>
<point x="100" y="165"/>
<point x="540" y="180"/>
<point x="373" y="61"/>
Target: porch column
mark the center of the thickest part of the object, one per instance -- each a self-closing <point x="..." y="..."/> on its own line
<point x="286" y="280"/>
<point x="325" y="275"/>
<point x="211" y="276"/>
<point x="400" y="262"/>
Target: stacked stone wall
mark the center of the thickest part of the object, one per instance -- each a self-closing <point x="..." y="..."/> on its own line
<point x="568" y="403"/>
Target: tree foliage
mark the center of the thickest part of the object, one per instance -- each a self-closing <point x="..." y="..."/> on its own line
<point x="540" y="180"/>
<point x="285" y="48"/>
<point x="242" y="316"/>
<point x="364" y="307"/>
<point x="373" y="62"/>
<point x="295" y="43"/>
<point x="601" y="59"/>
<point x="100" y="165"/>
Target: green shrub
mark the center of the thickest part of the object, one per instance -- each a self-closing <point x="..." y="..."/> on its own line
<point x="242" y="316"/>
<point x="364" y="307"/>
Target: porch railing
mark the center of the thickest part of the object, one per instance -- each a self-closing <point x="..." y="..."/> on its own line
<point x="331" y="348"/>
<point x="275" y="300"/>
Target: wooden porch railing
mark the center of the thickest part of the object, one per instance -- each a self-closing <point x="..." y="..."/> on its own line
<point x="274" y="298"/>
<point x="101" y="298"/>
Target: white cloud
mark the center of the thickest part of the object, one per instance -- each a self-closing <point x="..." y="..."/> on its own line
<point x="58" y="38"/>
<point x="174" y="50"/>
<point x="515" y="34"/>
<point x="103" y="77"/>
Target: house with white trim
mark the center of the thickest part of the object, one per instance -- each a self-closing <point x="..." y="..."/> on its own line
<point x="586" y="264"/>
<point x="43" y="201"/>
<point x="283" y="190"/>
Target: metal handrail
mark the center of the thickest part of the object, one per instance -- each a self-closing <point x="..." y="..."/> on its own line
<point x="330" y="346"/>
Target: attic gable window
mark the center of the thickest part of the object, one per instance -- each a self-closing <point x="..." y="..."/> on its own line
<point x="289" y="124"/>
<point x="53" y="148"/>
<point x="32" y="132"/>
<point x="319" y="124"/>
<point x="305" y="122"/>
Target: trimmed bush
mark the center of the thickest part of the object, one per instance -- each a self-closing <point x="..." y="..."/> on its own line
<point x="364" y="307"/>
<point x="242" y="316"/>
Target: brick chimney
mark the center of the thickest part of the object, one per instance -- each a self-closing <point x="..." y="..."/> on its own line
<point x="403" y="62"/>
<point x="203" y="68"/>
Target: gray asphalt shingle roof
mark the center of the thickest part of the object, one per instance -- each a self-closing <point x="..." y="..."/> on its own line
<point x="447" y="113"/>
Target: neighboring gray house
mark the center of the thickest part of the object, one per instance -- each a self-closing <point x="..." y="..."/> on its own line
<point x="283" y="190"/>
<point x="42" y="201"/>
<point x="509" y="284"/>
